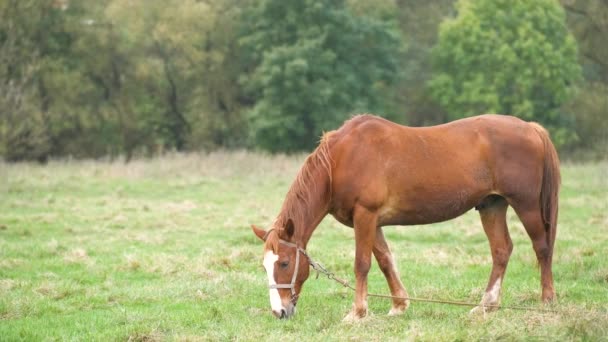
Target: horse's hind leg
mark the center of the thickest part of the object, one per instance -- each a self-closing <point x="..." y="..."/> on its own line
<point x="531" y="218"/>
<point x="387" y="265"/>
<point x="493" y="212"/>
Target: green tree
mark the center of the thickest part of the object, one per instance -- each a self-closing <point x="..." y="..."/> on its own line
<point x="508" y="56"/>
<point x="32" y="38"/>
<point x="588" y="21"/>
<point x="153" y="67"/>
<point x="117" y="77"/>
<point x="183" y="83"/>
<point x="309" y="64"/>
<point x="419" y="21"/>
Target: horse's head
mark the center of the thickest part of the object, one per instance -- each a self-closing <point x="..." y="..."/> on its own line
<point x="286" y="265"/>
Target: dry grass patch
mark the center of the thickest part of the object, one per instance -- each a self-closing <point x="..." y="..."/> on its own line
<point x="189" y="168"/>
<point x="190" y="338"/>
<point x="11" y="263"/>
<point x="601" y="275"/>
<point x="131" y="263"/>
<point x="166" y="264"/>
<point x="52" y="246"/>
<point x="179" y="207"/>
<point x="55" y="290"/>
<point x="147" y="238"/>
<point x="153" y="336"/>
<point x="7" y="285"/>
<point x="77" y="256"/>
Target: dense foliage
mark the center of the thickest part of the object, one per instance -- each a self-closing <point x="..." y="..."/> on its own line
<point x="588" y="21"/>
<point x="507" y="56"/>
<point x="313" y="64"/>
<point x="115" y="77"/>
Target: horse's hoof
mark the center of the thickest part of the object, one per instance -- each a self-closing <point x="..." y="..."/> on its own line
<point x="399" y="307"/>
<point x="481" y="309"/>
<point x="477" y="310"/>
<point x="549" y="298"/>
<point x="354" y="316"/>
<point x="396" y="311"/>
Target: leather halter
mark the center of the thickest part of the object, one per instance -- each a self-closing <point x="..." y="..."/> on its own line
<point x="299" y="250"/>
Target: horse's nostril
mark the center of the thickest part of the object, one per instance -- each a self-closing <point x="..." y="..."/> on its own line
<point x="280" y="314"/>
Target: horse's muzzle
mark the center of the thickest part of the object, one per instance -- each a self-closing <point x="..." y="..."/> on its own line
<point x="286" y="312"/>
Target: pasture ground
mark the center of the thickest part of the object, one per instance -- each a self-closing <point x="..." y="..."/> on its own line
<point x="161" y="249"/>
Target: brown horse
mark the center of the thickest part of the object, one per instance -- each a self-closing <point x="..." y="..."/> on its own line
<point x="372" y="173"/>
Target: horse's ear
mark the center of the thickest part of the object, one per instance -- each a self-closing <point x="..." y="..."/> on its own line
<point x="259" y="232"/>
<point x="289" y="228"/>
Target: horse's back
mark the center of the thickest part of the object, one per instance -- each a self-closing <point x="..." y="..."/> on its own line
<point x="489" y="138"/>
<point x="430" y="174"/>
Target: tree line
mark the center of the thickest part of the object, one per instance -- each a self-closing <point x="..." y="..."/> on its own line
<point x="125" y="77"/>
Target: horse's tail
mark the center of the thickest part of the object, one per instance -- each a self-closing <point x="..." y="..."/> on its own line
<point x="550" y="186"/>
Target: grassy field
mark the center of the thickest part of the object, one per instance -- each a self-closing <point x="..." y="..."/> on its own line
<point x="161" y="249"/>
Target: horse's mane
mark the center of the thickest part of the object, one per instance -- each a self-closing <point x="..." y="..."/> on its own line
<point x="304" y="189"/>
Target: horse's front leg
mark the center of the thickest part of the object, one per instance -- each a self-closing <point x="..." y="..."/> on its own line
<point x="365" y="236"/>
<point x="387" y="265"/>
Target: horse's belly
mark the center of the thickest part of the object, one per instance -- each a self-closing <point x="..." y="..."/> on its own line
<point x="409" y="211"/>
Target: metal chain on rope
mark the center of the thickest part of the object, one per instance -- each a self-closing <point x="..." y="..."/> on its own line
<point x="320" y="269"/>
<point x="330" y="275"/>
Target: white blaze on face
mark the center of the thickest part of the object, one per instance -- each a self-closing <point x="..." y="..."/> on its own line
<point x="275" y="300"/>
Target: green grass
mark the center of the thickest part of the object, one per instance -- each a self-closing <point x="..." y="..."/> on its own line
<point x="161" y="249"/>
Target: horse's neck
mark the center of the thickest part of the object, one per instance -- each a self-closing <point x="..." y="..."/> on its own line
<point x="311" y="222"/>
<point x="307" y="209"/>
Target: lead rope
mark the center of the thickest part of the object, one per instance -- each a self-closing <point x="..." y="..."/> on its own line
<point x="330" y="275"/>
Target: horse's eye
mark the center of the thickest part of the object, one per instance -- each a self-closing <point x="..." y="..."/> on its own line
<point x="284" y="264"/>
